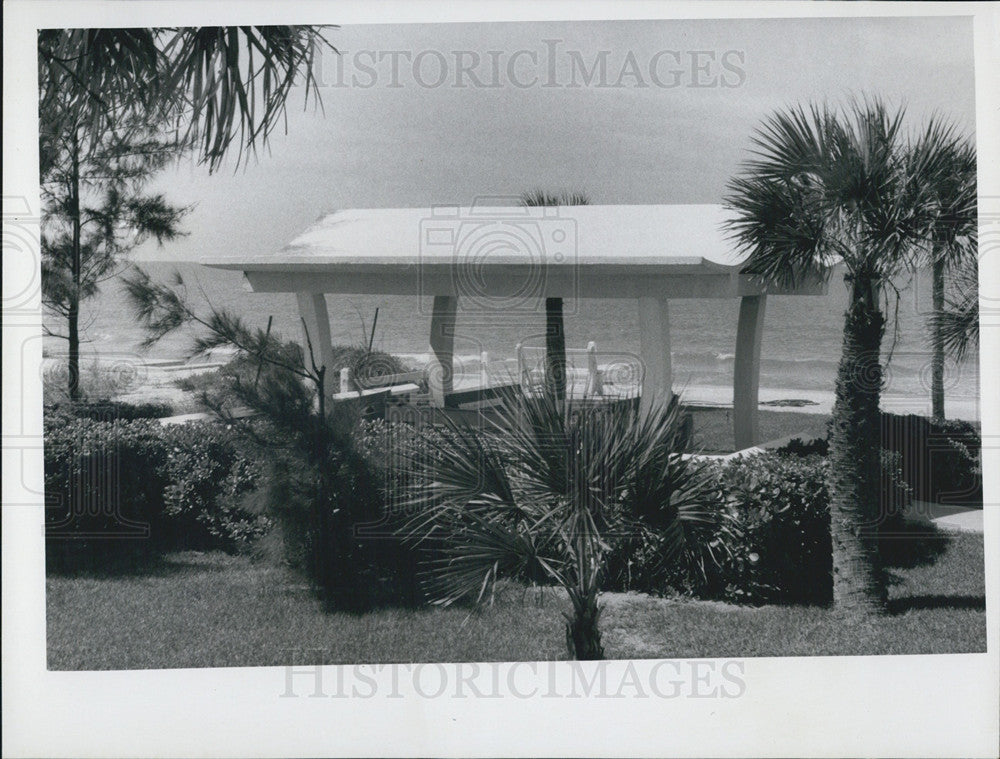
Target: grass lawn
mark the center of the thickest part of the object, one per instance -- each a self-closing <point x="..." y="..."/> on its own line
<point x="713" y="427"/>
<point x="213" y="610"/>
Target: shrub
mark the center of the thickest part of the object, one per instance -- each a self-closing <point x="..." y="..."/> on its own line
<point x="777" y="547"/>
<point x="138" y="488"/>
<point x="939" y="459"/>
<point x="208" y="472"/>
<point x="799" y="447"/>
<point x="109" y="410"/>
<point x="543" y="494"/>
<point x="389" y="447"/>
<point x="782" y="552"/>
<point x="366" y="366"/>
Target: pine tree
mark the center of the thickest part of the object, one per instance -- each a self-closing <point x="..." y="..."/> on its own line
<point x="96" y="210"/>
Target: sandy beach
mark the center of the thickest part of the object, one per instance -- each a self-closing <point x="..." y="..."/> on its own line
<point x="145" y="379"/>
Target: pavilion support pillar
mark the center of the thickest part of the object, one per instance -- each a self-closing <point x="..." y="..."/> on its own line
<point x="654" y="351"/>
<point x="746" y="371"/>
<point x="440" y="372"/>
<point x="316" y="332"/>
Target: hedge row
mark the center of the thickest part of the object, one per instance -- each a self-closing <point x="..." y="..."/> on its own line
<point x="777" y="548"/>
<point x="106" y="411"/>
<point x="939" y="460"/>
<point x="128" y="488"/>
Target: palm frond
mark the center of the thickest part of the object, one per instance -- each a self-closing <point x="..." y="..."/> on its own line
<point x="214" y="85"/>
<point x="823" y="184"/>
<point x="540" y="492"/>
<point x="958" y="323"/>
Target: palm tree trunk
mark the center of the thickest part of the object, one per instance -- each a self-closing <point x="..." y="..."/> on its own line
<point x="555" y="349"/>
<point x="937" y="339"/>
<point x="583" y="636"/>
<point x="855" y="468"/>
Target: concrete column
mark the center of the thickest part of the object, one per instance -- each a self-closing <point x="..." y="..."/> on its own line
<point x="440" y="372"/>
<point x="316" y="331"/>
<point x="746" y="371"/>
<point x="654" y="350"/>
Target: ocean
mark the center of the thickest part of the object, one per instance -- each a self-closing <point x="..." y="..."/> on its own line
<point x="800" y="351"/>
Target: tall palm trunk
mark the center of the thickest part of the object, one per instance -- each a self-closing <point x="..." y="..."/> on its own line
<point x="937" y="339"/>
<point x="855" y="470"/>
<point x="555" y="349"/>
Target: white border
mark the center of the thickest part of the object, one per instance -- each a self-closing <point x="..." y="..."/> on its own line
<point x="901" y="706"/>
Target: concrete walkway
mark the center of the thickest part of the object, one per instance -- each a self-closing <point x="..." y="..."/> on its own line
<point x="950" y="518"/>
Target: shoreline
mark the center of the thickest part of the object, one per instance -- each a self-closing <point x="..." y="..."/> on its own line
<point x="153" y="379"/>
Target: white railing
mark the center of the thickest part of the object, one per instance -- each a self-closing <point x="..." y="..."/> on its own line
<point x="616" y="380"/>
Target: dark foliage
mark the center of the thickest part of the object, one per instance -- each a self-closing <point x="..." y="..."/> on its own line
<point x="108" y="410"/>
<point x="338" y="526"/>
<point x="137" y="489"/>
<point x="212" y="87"/>
<point x="782" y="510"/>
<point x="802" y="448"/>
<point x="777" y="548"/>
<point x="320" y="488"/>
<point x="366" y="366"/>
<point x="937" y="460"/>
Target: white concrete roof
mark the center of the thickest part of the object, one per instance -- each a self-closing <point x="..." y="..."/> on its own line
<point x="683" y="235"/>
<point x="597" y="242"/>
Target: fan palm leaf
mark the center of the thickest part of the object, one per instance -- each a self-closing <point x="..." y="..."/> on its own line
<point x="538" y="494"/>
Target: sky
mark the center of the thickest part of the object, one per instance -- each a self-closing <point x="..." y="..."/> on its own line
<point x="419" y="115"/>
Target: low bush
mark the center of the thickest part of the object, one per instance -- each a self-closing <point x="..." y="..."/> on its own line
<point x="109" y="410"/>
<point x="776" y="548"/>
<point x="939" y="459"/>
<point x="366" y="367"/>
<point x="782" y="551"/>
<point x="137" y="488"/>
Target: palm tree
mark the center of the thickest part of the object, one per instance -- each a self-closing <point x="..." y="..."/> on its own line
<point x="957" y="322"/>
<point x="555" y="328"/>
<point x="539" y="495"/>
<point x="825" y="185"/>
<point x="950" y="164"/>
<point x="218" y="86"/>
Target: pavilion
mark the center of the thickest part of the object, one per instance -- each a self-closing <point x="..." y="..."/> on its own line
<point x="510" y="258"/>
